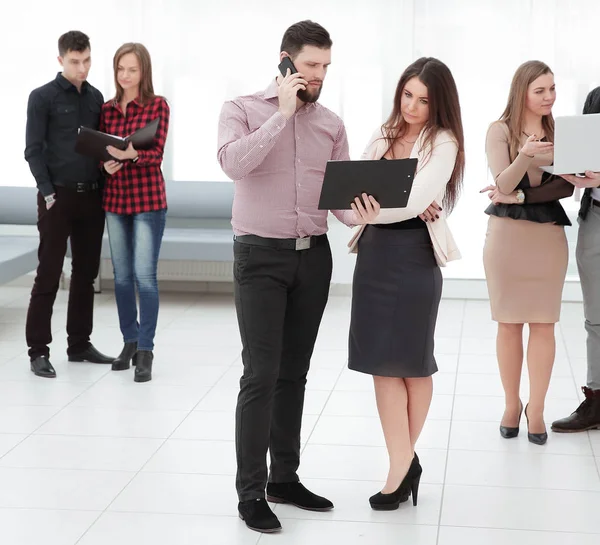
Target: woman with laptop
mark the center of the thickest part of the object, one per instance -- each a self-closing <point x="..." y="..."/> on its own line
<point x="136" y="205"/>
<point x="525" y="253"/>
<point x="397" y="281"/>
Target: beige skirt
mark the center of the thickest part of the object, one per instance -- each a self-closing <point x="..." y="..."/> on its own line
<point x="525" y="268"/>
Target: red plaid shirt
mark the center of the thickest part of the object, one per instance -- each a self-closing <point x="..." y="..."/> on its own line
<point x="138" y="187"/>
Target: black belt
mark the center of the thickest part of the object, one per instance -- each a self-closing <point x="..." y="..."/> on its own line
<point x="80" y="187"/>
<point x="282" y="243"/>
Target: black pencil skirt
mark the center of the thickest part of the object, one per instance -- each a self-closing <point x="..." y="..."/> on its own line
<point x="395" y="298"/>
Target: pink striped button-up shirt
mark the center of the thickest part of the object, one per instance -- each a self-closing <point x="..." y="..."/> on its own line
<point x="278" y="164"/>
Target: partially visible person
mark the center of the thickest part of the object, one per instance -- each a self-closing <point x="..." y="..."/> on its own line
<point x="136" y="205"/>
<point x="587" y="415"/>
<point x="525" y="253"/>
<point x="397" y="283"/>
<point x="69" y="204"/>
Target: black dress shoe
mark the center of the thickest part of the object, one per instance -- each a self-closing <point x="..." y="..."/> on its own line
<point x="42" y="367"/>
<point x="535" y="438"/>
<point x="408" y="486"/>
<point x="586" y="416"/>
<point x="143" y="369"/>
<point x="297" y="494"/>
<point x="123" y="360"/>
<point x="258" y="516"/>
<point x="511" y="433"/>
<point x="90" y="354"/>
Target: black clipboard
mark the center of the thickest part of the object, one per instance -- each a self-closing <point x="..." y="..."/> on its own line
<point x="93" y="143"/>
<point x="389" y="182"/>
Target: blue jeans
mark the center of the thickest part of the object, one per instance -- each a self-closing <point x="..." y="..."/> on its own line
<point x="134" y="246"/>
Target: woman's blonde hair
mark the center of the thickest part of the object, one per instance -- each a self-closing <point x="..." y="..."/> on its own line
<point x="514" y="112"/>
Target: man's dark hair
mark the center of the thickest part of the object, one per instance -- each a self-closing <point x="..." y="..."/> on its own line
<point x="305" y="33"/>
<point x="73" y="41"/>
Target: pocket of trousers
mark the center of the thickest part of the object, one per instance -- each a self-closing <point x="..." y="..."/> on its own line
<point x="241" y="258"/>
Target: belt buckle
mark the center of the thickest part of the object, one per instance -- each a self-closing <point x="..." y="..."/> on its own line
<point x="303" y="243"/>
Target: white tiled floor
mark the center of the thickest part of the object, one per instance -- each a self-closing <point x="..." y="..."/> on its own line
<point x="93" y="458"/>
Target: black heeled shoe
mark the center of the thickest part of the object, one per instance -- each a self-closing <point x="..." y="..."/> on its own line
<point x="535" y="438"/>
<point x="511" y="433"/>
<point x="124" y="359"/>
<point x="143" y="369"/>
<point x="409" y="486"/>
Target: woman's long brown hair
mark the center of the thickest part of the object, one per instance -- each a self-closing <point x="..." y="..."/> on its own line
<point x="444" y="113"/>
<point x="514" y="112"/>
<point x="146" y="86"/>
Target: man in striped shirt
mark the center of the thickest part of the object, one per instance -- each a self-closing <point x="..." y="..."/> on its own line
<point x="275" y="145"/>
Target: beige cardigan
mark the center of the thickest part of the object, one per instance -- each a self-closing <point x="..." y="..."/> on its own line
<point x="429" y="185"/>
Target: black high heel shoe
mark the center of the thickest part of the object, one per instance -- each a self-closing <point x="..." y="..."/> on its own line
<point x="409" y="486"/>
<point x="510" y="433"/>
<point x="535" y="438"/>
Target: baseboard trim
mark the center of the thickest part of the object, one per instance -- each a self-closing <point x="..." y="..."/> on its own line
<point x="454" y="288"/>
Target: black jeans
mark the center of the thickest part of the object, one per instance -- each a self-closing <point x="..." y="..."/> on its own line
<point x="80" y="217"/>
<point x="280" y="297"/>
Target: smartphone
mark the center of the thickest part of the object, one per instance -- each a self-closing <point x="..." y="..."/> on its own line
<point x="285" y="64"/>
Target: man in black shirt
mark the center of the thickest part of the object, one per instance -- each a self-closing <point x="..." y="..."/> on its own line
<point x="69" y="204"/>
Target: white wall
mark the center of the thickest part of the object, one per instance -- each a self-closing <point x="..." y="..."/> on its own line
<point x="205" y="52"/>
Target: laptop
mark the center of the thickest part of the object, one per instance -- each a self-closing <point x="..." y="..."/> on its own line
<point x="576" y="144"/>
<point x="388" y="181"/>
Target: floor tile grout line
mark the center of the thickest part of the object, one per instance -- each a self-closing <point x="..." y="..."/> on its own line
<point x="321" y="414"/>
<point x="323" y="409"/>
<point x="499" y="528"/>
<point x="91" y="384"/>
<point x="131" y="480"/>
<point x="440" y="485"/>
<point x="140" y="470"/>
<point x="541" y="452"/>
<point x="564" y="342"/>
<point x="460" y="340"/>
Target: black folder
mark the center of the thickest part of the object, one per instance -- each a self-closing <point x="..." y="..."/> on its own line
<point x="389" y="182"/>
<point x="93" y="143"/>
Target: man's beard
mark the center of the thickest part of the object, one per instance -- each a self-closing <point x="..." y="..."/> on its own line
<point x="309" y="96"/>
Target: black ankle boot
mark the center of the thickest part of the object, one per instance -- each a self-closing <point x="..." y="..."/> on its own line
<point x="143" y="369"/>
<point x="123" y="360"/>
<point x="408" y="486"/>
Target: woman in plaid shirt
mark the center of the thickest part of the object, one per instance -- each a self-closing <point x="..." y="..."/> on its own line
<point x="135" y="204"/>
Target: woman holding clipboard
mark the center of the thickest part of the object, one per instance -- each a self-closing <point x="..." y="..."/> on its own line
<point x="397" y="281"/>
<point x="136" y="205"/>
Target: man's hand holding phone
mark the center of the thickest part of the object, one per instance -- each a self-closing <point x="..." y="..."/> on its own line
<point x="288" y="87"/>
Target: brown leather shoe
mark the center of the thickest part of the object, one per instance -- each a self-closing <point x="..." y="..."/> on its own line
<point x="586" y="416"/>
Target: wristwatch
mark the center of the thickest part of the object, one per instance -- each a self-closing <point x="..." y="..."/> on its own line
<point x="49" y="199"/>
<point x="520" y="196"/>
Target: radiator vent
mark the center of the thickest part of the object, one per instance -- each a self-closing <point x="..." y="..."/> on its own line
<point x="184" y="271"/>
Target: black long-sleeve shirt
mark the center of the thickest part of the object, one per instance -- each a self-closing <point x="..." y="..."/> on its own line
<point x="54" y="114"/>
